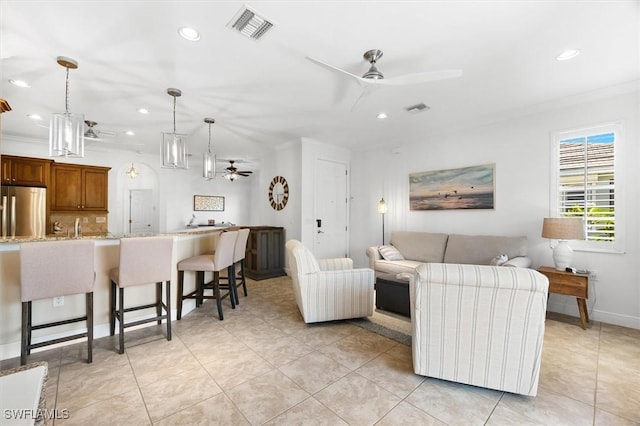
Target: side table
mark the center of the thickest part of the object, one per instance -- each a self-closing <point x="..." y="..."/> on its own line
<point x="570" y="284"/>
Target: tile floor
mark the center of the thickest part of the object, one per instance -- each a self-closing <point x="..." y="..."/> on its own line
<point x="263" y="365"/>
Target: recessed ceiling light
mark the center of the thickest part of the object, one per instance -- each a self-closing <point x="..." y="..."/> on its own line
<point x="568" y="54"/>
<point x="19" y="83"/>
<point x="382" y="116"/>
<point x="189" y="34"/>
<point x="143" y="111"/>
<point x="129" y="133"/>
<point x="34" y="117"/>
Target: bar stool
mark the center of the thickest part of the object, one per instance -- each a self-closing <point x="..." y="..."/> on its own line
<point x="239" y="253"/>
<point x="143" y="260"/>
<point x="51" y="269"/>
<point x="220" y="260"/>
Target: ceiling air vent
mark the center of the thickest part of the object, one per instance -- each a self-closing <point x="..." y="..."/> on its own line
<point x="417" y="107"/>
<point x="248" y="23"/>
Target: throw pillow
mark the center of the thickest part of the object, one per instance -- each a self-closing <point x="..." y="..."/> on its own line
<point x="390" y="253"/>
<point x="499" y="260"/>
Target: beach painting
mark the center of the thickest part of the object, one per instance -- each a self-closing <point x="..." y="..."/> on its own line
<point x="463" y="188"/>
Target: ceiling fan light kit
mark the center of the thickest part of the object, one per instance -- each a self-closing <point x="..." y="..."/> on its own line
<point x="174" y="145"/>
<point x="232" y="173"/>
<point x="208" y="158"/>
<point x="66" y="130"/>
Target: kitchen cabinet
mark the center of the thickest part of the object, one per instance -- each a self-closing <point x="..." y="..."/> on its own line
<point x="264" y="257"/>
<point x="25" y="171"/>
<point x="79" y="188"/>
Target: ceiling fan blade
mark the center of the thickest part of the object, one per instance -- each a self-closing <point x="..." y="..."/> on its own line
<point x="326" y="66"/>
<point x="421" y="77"/>
<point x="244" y="173"/>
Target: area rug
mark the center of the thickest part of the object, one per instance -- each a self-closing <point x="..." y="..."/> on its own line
<point x="386" y="324"/>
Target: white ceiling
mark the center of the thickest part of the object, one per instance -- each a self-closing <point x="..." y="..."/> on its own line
<point x="265" y="93"/>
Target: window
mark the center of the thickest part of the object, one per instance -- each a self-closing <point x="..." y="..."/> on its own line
<point x="585" y="184"/>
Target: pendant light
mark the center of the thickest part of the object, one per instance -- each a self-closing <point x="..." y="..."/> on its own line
<point x="174" y="145"/>
<point x="208" y="158"/>
<point x="132" y="172"/>
<point x="66" y="130"/>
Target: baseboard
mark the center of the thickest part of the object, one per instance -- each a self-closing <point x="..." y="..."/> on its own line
<point x="571" y="309"/>
<point x="12" y="349"/>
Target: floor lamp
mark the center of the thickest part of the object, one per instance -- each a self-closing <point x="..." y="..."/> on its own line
<point x="382" y="209"/>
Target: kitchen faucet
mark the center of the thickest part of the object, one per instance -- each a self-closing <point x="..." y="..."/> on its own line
<point x="76" y="228"/>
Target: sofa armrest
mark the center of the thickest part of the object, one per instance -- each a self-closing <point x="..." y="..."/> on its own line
<point x="337" y="264"/>
<point x="373" y="253"/>
<point x="518" y="262"/>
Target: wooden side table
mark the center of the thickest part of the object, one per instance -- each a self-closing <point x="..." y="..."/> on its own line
<point x="567" y="283"/>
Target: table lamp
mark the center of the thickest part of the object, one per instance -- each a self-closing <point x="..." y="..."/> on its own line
<point x="563" y="229"/>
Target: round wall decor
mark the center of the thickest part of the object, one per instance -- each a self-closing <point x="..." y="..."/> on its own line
<point x="278" y="193"/>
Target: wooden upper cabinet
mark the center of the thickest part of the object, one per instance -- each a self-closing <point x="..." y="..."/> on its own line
<point x="79" y="188"/>
<point x="25" y="171"/>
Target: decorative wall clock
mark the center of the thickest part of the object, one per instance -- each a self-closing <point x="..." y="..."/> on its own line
<point x="278" y="193"/>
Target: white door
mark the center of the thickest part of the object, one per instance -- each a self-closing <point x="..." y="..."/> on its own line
<point x="330" y="209"/>
<point x="140" y="211"/>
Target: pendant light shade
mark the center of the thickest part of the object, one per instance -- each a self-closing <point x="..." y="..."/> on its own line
<point x="174" y="145"/>
<point x="66" y="130"/>
<point x="208" y="158"/>
<point x="132" y="172"/>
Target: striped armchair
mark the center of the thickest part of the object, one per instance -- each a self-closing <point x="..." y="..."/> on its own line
<point x="329" y="289"/>
<point x="479" y="325"/>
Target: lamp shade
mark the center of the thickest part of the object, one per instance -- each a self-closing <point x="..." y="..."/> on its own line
<point x="563" y="228"/>
<point x="382" y="206"/>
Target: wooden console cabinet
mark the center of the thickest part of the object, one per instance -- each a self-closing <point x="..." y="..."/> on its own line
<point x="264" y="257"/>
<point x="79" y="188"/>
<point x="569" y="284"/>
<point x="24" y="171"/>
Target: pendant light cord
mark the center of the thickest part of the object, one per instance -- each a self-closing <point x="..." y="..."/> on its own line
<point x="174" y="115"/>
<point x="209" y="137"/>
<point x="66" y="95"/>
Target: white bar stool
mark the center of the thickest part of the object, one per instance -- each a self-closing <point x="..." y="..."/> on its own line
<point x="51" y="269"/>
<point x="143" y="260"/>
<point x="239" y="253"/>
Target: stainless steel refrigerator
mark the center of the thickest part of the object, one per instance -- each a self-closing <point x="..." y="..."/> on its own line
<point x="24" y="211"/>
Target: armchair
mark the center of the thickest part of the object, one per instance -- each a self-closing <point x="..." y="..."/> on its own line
<point x="479" y="325"/>
<point x="329" y="289"/>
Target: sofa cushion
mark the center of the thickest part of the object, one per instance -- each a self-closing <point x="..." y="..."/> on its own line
<point x="480" y="249"/>
<point x="390" y="253"/>
<point x="420" y="246"/>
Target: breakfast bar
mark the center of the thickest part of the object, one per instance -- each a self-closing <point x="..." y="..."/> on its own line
<point x="189" y="242"/>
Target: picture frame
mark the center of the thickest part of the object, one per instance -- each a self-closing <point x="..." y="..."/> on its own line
<point x="470" y="187"/>
<point x="208" y="203"/>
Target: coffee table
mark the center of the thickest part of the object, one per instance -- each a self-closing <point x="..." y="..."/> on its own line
<point x="392" y="294"/>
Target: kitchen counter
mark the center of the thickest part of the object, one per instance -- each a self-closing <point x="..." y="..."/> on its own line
<point x="186" y="244"/>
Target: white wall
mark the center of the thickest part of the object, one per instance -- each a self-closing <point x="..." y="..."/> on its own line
<point x="520" y="149"/>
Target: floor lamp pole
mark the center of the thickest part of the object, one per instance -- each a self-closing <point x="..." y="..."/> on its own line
<point x="382" y="228"/>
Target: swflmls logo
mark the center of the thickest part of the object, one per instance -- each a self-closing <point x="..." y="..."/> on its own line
<point x="23" y="414"/>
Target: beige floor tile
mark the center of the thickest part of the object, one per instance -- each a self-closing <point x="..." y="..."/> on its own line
<point x="401" y="352"/>
<point x="603" y="418"/>
<point x="158" y="359"/>
<point x="392" y="374"/>
<point x="288" y="324"/>
<point x="505" y="416"/>
<point x="266" y="397"/>
<point x="357" y="400"/>
<point x="405" y="414"/>
<point x="549" y="408"/>
<point x="206" y="345"/>
<point x="169" y="395"/>
<point x="618" y="391"/>
<point x="308" y="413"/>
<point x="357" y="349"/>
<point x="81" y="384"/>
<point x="454" y="403"/>
<point x="233" y="367"/>
<point x="573" y="380"/>
<point x="122" y="409"/>
<point x="314" y="371"/>
<point x="322" y="334"/>
<point x="281" y="350"/>
<point x="217" y="410"/>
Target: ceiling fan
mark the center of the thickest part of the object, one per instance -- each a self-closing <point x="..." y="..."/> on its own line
<point x="232" y="173"/>
<point x="94" y="133"/>
<point x="373" y="78"/>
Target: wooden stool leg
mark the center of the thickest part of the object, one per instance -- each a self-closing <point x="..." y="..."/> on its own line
<point x="159" y="302"/>
<point x="168" y="305"/>
<point x="30" y="327"/>
<point x="112" y="310"/>
<point x="243" y="278"/>
<point x="199" y="288"/>
<point x="216" y="293"/>
<point x="26" y="325"/>
<point x="231" y="272"/>
<point x="121" y="319"/>
<point x="89" y="302"/>
<point x="180" y="290"/>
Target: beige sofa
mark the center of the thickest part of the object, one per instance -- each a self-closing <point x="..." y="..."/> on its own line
<point x="417" y="248"/>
